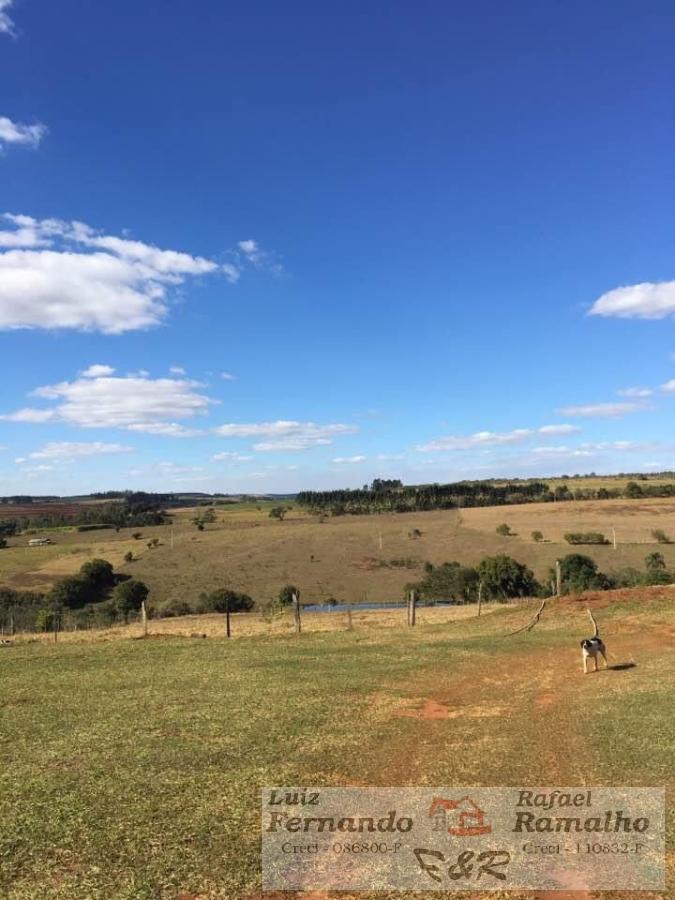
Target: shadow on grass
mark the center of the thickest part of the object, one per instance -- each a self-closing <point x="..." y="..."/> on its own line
<point x="620" y="667"/>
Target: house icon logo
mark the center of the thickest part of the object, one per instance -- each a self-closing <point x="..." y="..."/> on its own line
<point x="463" y="817"/>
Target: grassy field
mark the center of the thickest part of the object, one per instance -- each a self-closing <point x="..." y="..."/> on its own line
<point x="349" y="558"/>
<point x="132" y="768"/>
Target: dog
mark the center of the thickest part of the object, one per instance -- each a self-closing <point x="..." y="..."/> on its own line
<point x="591" y="648"/>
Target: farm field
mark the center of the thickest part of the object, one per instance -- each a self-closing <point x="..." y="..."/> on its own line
<point x="131" y="769"/>
<point x="351" y="558"/>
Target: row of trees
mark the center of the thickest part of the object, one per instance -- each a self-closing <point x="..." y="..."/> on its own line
<point x="96" y="595"/>
<point x="393" y="496"/>
<point x="502" y="578"/>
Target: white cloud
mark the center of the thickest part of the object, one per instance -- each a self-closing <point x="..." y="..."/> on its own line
<point x="286" y="434"/>
<point x="389" y="457"/>
<point x="636" y="392"/>
<point x="16" y="133"/>
<point x="72" y="450"/>
<point x="177" y="370"/>
<point x="6" y="23"/>
<point x="251" y="252"/>
<point x="133" y="403"/>
<point x="56" y="274"/>
<point x="492" y="439"/>
<point x="669" y="387"/>
<point x="602" y="410"/>
<point x="97" y="371"/>
<point x="350" y="459"/>
<point x="637" y="301"/>
<point x="228" y="376"/>
<point x="558" y="429"/>
<point x="228" y="456"/>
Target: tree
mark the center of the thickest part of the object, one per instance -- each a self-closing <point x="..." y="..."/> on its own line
<point x="128" y="597"/>
<point x="3" y="543"/>
<point x="224" y="600"/>
<point x="72" y="592"/>
<point x="449" y="581"/>
<point x="660" y="536"/>
<point x="537" y="537"/>
<point x="580" y="573"/>
<point x="99" y="573"/>
<point x="286" y="594"/>
<point x="503" y="529"/>
<point x="278" y="512"/>
<point x="503" y="577"/>
<point x="657" y="573"/>
<point x="633" y="491"/>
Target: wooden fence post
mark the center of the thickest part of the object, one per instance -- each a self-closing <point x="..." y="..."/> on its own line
<point x="144" y="618"/>
<point x="228" y="631"/>
<point x="480" y="595"/>
<point x="296" y="611"/>
<point x="558" y="578"/>
<point x="412" y="607"/>
<point x="350" y="625"/>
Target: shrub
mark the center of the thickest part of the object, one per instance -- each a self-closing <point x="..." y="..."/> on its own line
<point x="128" y="556"/>
<point x="278" y="512"/>
<point x="503" y="529"/>
<point x="537" y="537"/>
<point x="175" y="608"/>
<point x="137" y="535"/>
<point x="3" y="543"/>
<point x="586" y="537"/>
<point x="660" y="536"/>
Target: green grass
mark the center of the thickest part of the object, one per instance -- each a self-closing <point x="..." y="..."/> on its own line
<point x="132" y="769"/>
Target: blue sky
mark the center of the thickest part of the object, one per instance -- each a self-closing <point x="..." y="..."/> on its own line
<point x="304" y="247"/>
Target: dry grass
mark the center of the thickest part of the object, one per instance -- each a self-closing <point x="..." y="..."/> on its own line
<point x="341" y="557"/>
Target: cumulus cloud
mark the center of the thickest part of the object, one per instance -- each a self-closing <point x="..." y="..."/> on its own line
<point x="134" y="403"/>
<point x="57" y="274"/>
<point x="6" y="23"/>
<point x="602" y="410"/>
<point x="285" y="434"/>
<point x="97" y="370"/>
<point x="669" y="387"/>
<point x="350" y="459"/>
<point x="649" y="300"/>
<point x="73" y="450"/>
<point x="16" y="133"/>
<point x="492" y="439"/>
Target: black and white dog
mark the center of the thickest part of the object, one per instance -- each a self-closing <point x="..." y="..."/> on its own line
<point x="592" y="647"/>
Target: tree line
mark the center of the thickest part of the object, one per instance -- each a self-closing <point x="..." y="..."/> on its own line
<point x="391" y="495"/>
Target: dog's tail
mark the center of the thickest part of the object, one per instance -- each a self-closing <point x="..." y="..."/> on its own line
<point x="596" y="632"/>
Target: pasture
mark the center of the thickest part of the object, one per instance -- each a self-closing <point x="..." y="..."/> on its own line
<point x="350" y="558"/>
<point x="131" y="768"/>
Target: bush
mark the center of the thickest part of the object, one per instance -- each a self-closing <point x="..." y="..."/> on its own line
<point x="3" y="543"/>
<point x="128" y="556"/>
<point x="586" y="537"/>
<point x="71" y="593"/>
<point x="175" y="608"/>
<point x="660" y="536"/>
<point x="503" y="529"/>
<point x="503" y="577"/>
<point x="537" y="537"/>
